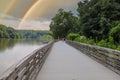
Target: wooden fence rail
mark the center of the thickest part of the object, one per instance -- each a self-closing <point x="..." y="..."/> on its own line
<point x="29" y="67"/>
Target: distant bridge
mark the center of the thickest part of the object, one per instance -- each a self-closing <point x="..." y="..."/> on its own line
<point x="64" y="62"/>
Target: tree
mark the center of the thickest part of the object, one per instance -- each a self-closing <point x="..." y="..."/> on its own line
<point x="64" y="23"/>
<point x="8" y="32"/>
<point x="97" y="17"/>
<point x="115" y="33"/>
<point x="3" y="32"/>
<point x="73" y="36"/>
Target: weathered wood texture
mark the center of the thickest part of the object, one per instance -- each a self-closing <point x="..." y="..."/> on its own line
<point x="108" y="57"/>
<point x="29" y="67"/>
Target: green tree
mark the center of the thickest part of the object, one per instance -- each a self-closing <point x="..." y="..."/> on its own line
<point x="97" y="17"/>
<point x="64" y="23"/>
<point x="8" y="32"/>
<point x="72" y="36"/>
<point x="115" y="33"/>
<point x="3" y="32"/>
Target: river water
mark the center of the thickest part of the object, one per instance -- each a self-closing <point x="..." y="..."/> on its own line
<point x="12" y="51"/>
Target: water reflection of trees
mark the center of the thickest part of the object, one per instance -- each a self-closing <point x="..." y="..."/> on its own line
<point x="10" y="43"/>
<point x="31" y="41"/>
<point x="7" y="43"/>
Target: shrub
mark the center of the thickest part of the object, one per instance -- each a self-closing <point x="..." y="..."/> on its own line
<point x="73" y="36"/>
<point x="102" y="43"/>
<point x="90" y="41"/>
<point x="118" y="48"/>
<point x="115" y="33"/>
<point x="81" y="39"/>
<point x="110" y="43"/>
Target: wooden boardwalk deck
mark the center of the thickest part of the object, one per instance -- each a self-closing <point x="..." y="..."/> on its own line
<point x="67" y="63"/>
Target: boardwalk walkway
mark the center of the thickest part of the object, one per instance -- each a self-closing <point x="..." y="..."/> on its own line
<point x="67" y="63"/>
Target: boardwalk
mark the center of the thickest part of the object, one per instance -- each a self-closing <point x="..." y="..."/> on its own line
<point x="67" y="63"/>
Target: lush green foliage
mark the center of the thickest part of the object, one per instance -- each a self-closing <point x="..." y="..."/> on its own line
<point x="64" y="23"/>
<point x="97" y="17"/>
<point x="72" y="36"/>
<point x="98" y="23"/>
<point x="32" y="34"/>
<point x="8" y="32"/>
<point x="81" y="39"/>
<point x="115" y="33"/>
<point x="44" y="36"/>
<point x="102" y="43"/>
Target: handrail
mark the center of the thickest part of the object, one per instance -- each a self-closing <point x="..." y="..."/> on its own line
<point x="108" y="57"/>
<point x="29" y="67"/>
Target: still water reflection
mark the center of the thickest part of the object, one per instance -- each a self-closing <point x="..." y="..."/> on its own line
<point x="12" y="51"/>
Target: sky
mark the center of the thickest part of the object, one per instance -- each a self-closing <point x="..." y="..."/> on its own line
<point x="32" y="14"/>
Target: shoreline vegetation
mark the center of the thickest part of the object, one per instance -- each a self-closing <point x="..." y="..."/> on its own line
<point x="11" y="33"/>
<point x="97" y="23"/>
<point x="102" y="43"/>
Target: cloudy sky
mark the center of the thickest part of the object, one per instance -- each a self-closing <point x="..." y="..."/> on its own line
<point x="32" y="14"/>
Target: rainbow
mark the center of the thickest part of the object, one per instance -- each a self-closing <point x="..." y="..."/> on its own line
<point x="10" y="6"/>
<point x="28" y="12"/>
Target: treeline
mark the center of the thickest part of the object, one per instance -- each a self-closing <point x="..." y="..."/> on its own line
<point x="8" y="32"/>
<point x="32" y="34"/>
<point x="98" y="23"/>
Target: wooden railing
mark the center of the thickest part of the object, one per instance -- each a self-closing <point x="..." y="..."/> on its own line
<point x="108" y="57"/>
<point x="29" y="67"/>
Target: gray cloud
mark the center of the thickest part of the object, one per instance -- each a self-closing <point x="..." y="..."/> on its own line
<point x="48" y="8"/>
<point x="43" y="12"/>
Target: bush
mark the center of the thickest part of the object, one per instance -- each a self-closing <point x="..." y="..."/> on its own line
<point x="106" y="44"/>
<point x="110" y="43"/>
<point x="102" y="43"/>
<point x="84" y="40"/>
<point x="115" y="33"/>
<point x="72" y="36"/>
<point x="81" y="39"/>
<point x="90" y="41"/>
<point x="118" y="48"/>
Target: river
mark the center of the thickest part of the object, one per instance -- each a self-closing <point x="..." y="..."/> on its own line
<point x="12" y="51"/>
